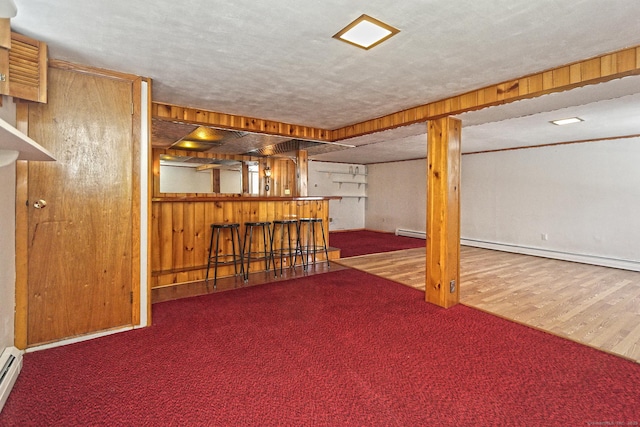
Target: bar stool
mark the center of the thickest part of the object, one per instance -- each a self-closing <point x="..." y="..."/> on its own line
<point x="282" y="249"/>
<point x="311" y="239"/>
<point x="266" y="253"/>
<point x="227" y="258"/>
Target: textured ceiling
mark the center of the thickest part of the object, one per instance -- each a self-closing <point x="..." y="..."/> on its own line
<point x="276" y="60"/>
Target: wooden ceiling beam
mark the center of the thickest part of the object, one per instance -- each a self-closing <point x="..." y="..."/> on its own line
<point x="176" y="113"/>
<point x="600" y="69"/>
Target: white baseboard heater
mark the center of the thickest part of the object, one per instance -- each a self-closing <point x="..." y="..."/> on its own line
<point x="10" y="366"/>
<point x="411" y="233"/>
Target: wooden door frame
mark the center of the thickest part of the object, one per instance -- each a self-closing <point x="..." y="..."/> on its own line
<point x="22" y="209"/>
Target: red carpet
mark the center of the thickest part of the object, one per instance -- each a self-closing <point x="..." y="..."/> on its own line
<point x="334" y="349"/>
<point x="364" y="242"/>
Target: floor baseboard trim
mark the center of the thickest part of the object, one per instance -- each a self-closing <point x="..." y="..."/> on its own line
<point x="563" y="256"/>
<point x="10" y="367"/>
<point x="78" y="339"/>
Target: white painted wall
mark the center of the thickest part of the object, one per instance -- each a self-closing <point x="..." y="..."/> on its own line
<point x="230" y="181"/>
<point x="7" y="239"/>
<point x="584" y="197"/>
<point x="397" y="196"/>
<point x="177" y="179"/>
<point x="349" y="212"/>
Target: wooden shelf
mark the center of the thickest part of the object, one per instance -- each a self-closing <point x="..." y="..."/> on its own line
<point x="354" y="197"/>
<point x="11" y="139"/>
<point x="350" y="182"/>
<point x="345" y="173"/>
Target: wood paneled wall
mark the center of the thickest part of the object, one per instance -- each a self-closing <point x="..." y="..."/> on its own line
<point x="181" y="231"/>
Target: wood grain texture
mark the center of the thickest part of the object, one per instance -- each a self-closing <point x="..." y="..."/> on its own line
<point x="27" y="69"/>
<point x="81" y="269"/>
<point x="229" y="121"/>
<point x="5" y="33"/>
<point x="596" y="306"/>
<point x="22" y="235"/>
<point x="181" y="232"/>
<point x="302" y="173"/>
<point x="443" y="212"/>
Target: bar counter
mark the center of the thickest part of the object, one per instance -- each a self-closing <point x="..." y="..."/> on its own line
<point x="181" y="229"/>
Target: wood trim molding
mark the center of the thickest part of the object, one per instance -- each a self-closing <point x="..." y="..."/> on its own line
<point x="70" y="66"/>
<point x="553" y="144"/>
<point x="176" y="113"/>
<point x="22" y="236"/>
<point x="136" y="190"/>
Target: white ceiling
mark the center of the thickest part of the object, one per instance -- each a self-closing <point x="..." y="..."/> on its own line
<point x="277" y="60"/>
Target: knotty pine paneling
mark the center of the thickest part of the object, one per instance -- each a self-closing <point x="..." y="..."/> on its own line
<point x="181" y="232"/>
<point x="230" y="121"/>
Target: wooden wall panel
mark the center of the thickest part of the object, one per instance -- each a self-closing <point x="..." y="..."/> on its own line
<point x="181" y="232"/>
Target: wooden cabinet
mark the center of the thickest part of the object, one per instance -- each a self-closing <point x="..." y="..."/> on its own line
<point x="23" y="66"/>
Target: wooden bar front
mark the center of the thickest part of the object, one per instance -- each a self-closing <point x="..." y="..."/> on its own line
<point x="181" y="230"/>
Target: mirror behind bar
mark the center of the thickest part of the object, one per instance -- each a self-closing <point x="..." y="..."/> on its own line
<point x="185" y="174"/>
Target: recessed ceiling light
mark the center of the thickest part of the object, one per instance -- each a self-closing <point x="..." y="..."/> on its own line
<point x="366" y="32"/>
<point x="201" y="139"/>
<point x="568" y="121"/>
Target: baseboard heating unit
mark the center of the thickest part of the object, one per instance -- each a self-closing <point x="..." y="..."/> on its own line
<point x="411" y="233"/>
<point x="10" y="366"/>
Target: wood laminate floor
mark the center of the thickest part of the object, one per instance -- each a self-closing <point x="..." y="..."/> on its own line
<point x="596" y="306"/>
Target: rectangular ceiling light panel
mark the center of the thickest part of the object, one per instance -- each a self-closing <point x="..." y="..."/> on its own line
<point x="366" y="32"/>
<point x="568" y="121"/>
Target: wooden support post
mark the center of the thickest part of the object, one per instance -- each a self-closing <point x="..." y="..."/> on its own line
<point x="302" y="173"/>
<point x="443" y="212"/>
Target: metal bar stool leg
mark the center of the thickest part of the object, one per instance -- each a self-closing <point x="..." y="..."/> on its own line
<point x="248" y="230"/>
<point x="267" y="256"/>
<point x="241" y="250"/>
<point x="324" y="245"/>
<point x="235" y="255"/>
<point x="247" y="250"/>
<point x="299" y="248"/>
<point x="292" y="260"/>
<point x="273" y="233"/>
